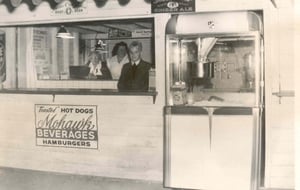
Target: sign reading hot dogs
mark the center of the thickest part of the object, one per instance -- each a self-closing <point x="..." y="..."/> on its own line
<point x="73" y="126"/>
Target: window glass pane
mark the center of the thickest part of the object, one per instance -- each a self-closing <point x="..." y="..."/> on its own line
<point x="77" y="51"/>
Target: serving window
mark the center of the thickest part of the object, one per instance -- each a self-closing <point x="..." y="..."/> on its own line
<point x="67" y="55"/>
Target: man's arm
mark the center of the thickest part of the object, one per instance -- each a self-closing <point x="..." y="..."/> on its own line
<point x="145" y="77"/>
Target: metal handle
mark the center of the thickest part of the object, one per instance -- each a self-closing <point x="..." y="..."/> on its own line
<point x="284" y="93"/>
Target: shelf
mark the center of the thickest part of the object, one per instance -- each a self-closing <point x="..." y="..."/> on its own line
<point x="65" y="91"/>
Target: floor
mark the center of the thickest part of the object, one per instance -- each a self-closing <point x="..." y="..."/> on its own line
<point x="19" y="179"/>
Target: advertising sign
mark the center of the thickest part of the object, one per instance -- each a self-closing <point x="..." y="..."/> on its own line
<point x="141" y="33"/>
<point x="172" y="6"/>
<point x="2" y="57"/>
<point x="41" y="52"/>
<point x="70" y="126"/>
<point x="66" y="9"/>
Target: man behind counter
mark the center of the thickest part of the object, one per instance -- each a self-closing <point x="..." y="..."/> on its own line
<point x="135" y="74"/>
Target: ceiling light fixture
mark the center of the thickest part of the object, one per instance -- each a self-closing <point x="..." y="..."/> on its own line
<point x="63" y="33"/>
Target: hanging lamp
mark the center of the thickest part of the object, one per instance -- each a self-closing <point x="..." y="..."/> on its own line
<point x="64" y="33"/>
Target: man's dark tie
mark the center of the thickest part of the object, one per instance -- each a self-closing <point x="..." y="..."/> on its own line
<point x="134" y="66"/>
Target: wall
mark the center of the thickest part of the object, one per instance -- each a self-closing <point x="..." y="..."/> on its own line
<point x="129" y="129"/>
<point x="279" y="44"/>
<point x="297" y="104"/>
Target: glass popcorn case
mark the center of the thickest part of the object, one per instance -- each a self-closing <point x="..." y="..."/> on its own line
<point x="215" y="68"/>
<point x="214" y="101"/>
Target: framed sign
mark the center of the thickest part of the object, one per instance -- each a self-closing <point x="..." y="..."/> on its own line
<point x="69" y="126"/>
<point x="66" y="9"/>
<point x="172" y="6"/>
<point x="2" y="57"/>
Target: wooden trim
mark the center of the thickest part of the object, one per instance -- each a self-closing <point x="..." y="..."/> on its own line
<point x="66" y="91"/>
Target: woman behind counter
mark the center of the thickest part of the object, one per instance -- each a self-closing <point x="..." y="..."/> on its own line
<point x="98" y="66"/>
<point x="118" y="59"/>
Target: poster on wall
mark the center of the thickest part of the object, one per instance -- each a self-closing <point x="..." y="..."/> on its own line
<point x="41" y="52"/>
<point x="172" y="6"/>
<point x="69" y="126"/>
<point x="2" y="57"/>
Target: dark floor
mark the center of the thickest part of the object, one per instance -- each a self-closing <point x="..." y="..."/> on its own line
<point x="19" y="179"/>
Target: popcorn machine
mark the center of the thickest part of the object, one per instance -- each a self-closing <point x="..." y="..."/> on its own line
<point x="214" y="101"/>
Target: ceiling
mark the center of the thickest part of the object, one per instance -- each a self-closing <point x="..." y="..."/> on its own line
<point x="106" y="26"/>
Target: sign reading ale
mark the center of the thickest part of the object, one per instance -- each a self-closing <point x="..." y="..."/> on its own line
<point x="172" y="6"/>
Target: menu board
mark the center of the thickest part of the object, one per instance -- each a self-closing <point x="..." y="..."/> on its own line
<point x="41" y="53"/>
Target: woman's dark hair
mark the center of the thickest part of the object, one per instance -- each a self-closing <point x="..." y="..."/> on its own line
<point x="116" y="47"/>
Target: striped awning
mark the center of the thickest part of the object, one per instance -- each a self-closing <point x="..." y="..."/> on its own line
<point x="13" y="4"/>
